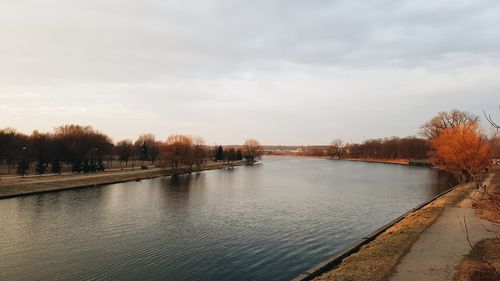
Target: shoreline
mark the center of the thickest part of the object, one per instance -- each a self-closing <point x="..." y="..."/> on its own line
<point x="384" y="247"/>
<point x="404" y="162"/>
<point x="47" y="184"/>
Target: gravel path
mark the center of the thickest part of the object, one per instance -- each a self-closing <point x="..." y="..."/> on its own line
<point x="440" y="248"/>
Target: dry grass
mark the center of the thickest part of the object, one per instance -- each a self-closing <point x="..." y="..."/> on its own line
<point x="473" y="268"/>
<point x="377" y="260"/>
<point x="487" y="203"/>
<point x="20" y="186"/>
<point x="483" y="261"/>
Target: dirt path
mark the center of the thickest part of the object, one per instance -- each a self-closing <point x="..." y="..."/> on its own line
<point x="440" y="248"/>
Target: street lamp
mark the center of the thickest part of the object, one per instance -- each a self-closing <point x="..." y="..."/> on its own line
<point x="22" y="164"/>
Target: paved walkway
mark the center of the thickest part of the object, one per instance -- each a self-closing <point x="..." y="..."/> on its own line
<point x="440" y="248"/>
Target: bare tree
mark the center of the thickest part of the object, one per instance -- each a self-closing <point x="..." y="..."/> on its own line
<point x="490" y="120"/>
<point x="199" y="151"/>
<point x="147" y="147"/>
<point x="125" y="150"/>
<point x="337" y="148"/>
<point x="252" y="150"/>
<point x="444" y="120"/>
<point x="177" y="150"/>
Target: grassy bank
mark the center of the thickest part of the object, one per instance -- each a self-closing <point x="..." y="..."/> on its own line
<point x="473" y="266"/>
<point x="483" y="261"/>
<point x="33" y="185"/>
<point x="377" y="260"/>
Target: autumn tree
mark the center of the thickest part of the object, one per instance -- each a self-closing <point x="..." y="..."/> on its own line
<point x="444" y="120"/>
<point x="198" y="151"/>
<point x="252" y="150"/>
<point x="463" y="149"/>
<point x="177" y="150"/>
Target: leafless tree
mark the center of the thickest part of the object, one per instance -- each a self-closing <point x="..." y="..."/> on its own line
<point x="490" y="120"/>
<point x="444" y="120"/>
<point x="337" y="148"/>
<point x="177" y="150"/>
<point x="252" y="150"/>
<point x="475" y="252"/>
<point x="125" y="150"/>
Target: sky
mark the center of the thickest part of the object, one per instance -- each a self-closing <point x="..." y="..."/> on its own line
<point x="283" y="72"/>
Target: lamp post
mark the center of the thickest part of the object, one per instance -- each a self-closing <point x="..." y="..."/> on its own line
<point x="22" y="169"/>
<point x="95" y="166"/>
<point x="142" y="154"/>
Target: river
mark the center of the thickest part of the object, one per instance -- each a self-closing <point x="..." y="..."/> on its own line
<point x="269" y="221"/>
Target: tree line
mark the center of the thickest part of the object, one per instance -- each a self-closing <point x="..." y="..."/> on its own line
<point x="453" y="140"/>
<point x="82" y="149"/>
<point x="387" y="148"/>
<point x="383" y="148"/>
<point x="459" y="144"/>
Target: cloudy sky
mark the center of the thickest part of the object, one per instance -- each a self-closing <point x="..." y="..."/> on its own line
<point x="283" y="71"/>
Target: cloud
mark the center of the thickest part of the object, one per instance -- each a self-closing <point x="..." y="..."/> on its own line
<point x="282" y="71"/>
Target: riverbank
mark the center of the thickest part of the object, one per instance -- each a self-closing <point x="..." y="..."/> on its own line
<point x="405" y="162"/>
<point x="377" y="259"/>
<point x="371" y="160"/>
<point x="14" y="187"/>
<point x="384" y="161"/>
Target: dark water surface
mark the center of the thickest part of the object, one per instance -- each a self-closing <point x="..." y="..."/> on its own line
<point x="269" y="221"/>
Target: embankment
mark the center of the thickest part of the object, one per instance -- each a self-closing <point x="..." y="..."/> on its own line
<point x="375" y="256"/>
<point x="32" y="186"/>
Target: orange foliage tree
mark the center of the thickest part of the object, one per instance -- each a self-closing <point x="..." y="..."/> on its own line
<point x="177" y="150"/>
<point x="463" y="150"/>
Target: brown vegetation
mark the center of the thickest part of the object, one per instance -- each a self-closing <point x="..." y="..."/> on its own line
<point x="82" y="149"/>
<point x="483" y="261"/>
<point x="473" y="268"/>
<point x="462" y="150"/>
<point x="487" y="201"/>
<point x="252" y="150"/>
<point x="445" y="120"/>
<point x="337" y="148"/>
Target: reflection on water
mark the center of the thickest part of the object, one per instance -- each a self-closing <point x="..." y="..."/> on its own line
<point x="269" y="221"/>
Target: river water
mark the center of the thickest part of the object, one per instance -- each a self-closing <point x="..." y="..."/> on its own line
<point x="269" y="221"/>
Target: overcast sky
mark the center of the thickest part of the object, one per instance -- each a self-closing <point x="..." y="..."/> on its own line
<point x="284" y="72"/>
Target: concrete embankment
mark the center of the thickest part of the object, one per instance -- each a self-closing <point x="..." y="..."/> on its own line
<point x="375" y="256"/>
<point x="33" y="186"/>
